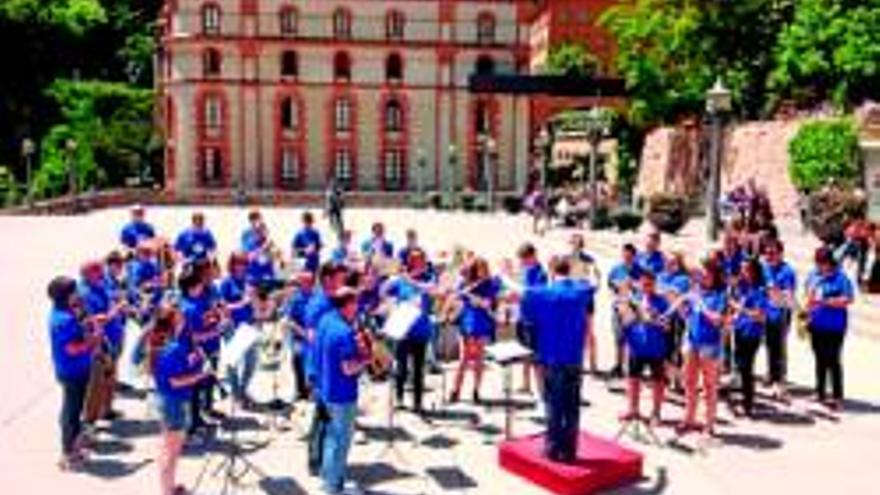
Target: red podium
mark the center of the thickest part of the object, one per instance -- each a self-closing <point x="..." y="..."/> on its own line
<point x="600" y="464"/>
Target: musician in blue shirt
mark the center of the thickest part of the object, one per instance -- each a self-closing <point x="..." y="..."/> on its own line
<point x="294" y="322"/>
<point x="343" y="253"/>
<point x="829" y="294"/>
<point x="584" y="266"/>
<point x="250" y="238"/>
<point x="646" y="343"/>
<point x="479" y="298"/>
<point x="781" y="288"/>
<point x="532" y="274"/>
<point x="651" y="259"/>
<point x="621" y="279"/>
<point x="238" y="298"/>
<point x="559" y="312"/>
<point x="197" y="241"/>
<point x="377" y="245"/>
<point x="137" y="229"/>
<point x="306" y="244"/>
<point x="732" y="256"/>
<point x="673" y="284"/>
<point x="414" y="287"/>
<point x="72" y="347"/>
<point x="751" y="306"/>
<point x="144" y="279"/>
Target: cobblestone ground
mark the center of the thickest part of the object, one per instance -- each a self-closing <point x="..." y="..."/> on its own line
<point x="795" y="448"/>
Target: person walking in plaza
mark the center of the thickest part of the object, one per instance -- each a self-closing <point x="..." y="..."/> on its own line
<point x="559" y="312"/>
<point x="751" y="306"/>
<point x="72" y="345"/>
<point x="334" y="204"/>
<point x="829" y="295"/>
<point x="781" y="281"/>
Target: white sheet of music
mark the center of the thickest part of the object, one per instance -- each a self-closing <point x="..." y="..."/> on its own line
<point x="232" y="352"/>
<point x="129" y="373"/>
<point x="507" y="352"/>
<point x="401" y="320"/>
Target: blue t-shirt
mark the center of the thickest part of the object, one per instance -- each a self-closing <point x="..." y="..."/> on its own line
<point x="316" y="308"/>
<point x="195" y="243"/>
<point x="732" y="262"/>
<point x="781" y="276"/>
<point x="134" y="232"/>
<point x="233" y="290"/>
<point x="650" y="261"/>
<point x="701" y="331"/>
<point x="824" y="318"/>
<point x="308" y="236"/>
<point x="645" y="339"/>
<point x="336" y="343"/>
<point x="622" y="273"/>
<point x="295" y="308"/>
<point x="340" y="254"/>
<point x="372" y="244"/>
<point x="678" y="282"/>
<point x="404" y="290"/>
<point x="194" y="310"/>
<point x="97" y="300"/>
<point x="751" y="298"/>
<point x="260" y="267"/>
<point x="64" y="329"/>
<point x="173" y="362"/>
<point x="558" y="311"/>
<point x="250" y="240"/>
<point x="479" y="322"/>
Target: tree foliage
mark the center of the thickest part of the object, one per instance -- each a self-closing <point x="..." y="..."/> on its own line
<point x="571" y="59"/>
<point x="822" y="151"/>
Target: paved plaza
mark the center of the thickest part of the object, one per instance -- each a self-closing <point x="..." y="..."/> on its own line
<point x="795" y="449"/>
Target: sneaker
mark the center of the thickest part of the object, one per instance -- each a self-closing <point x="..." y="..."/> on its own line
<point x="352" y="488"/>
<point x="72" y="462"/>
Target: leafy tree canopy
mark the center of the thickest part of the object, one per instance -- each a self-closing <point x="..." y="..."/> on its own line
<point x="571" y="59"/>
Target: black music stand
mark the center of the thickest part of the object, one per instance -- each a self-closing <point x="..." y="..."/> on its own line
<point x="507" y="354"/>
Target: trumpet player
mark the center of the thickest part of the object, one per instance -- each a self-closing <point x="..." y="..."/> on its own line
<point x="294" y="322"/>
<point x="751" y="306"/>
<point x="621" y="279"/>
<point x="197" y="241"/>
<point x="782" y="285"/>
<point x="238" y="298"/>
<point x="137" y="230"/>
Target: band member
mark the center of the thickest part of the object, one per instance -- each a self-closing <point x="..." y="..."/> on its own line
<point x="479" y="297"/>
<point x="731" y="257"/>
<point x="261" y="262"/>
<point x="781" y="285"/>
<point x="294" y="322"/>
<point x="114" y="275"/>
<point x="411" y="244"/>
<point x="750" y="303"/>
<point x="559" y="312"/>
<point x="584" y="266"/>
<point x="829" y="294"/>
<point x="197" y="241"/>
<point x="674" y="284"/>
<point x="415" y="286"/>
<point x="620" y="279"/>
<point x="238" y="299"/>
<point x="342" y="358"/>
<point x="250" y="239"/>
<point x="72" y="347"/>
<point x="344" y="253"/>
<point x="137" y="229"/>
<point x="377" y="245"/>
<point x="145" y="288"/>
<point x="532" y="275"/>
<point x="306" y="244"/>
<point x="646" y="345"/>
<point x="705" y="313"/>
<point x="177" y="370"/>
<point x="651" y="259"/>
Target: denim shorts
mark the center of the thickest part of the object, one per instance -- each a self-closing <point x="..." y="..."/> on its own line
<point x="175" y="413"/>
<point x="705" y="351"/>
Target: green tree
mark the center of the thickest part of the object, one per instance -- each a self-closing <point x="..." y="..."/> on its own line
<point x="822" y="151"/>
<point x="572" y="59"/>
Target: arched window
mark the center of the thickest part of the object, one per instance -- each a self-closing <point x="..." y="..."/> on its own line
<point x="486" y="28"/>
<point x="213" y="114"/>
<point x="342" y="67"/>
<point x="212" y="62"/>
<point x="212" y="166"/>
<point x="485" y="66"/>
<point x="290" y="167"/>
<point x="393" y="168"/>
<point x="211" y="17"/>
<point x="343" y="168"/>
<point x="289" y="114"/>
<point x="394" y="68"/>
<point x="393" y="116"/>
<point x="289" y="64"/>
<point x="342" y="115"/>
<point x="342" y="24"/>
<point x="287" y="21"/>
<point x="395" y="25"/>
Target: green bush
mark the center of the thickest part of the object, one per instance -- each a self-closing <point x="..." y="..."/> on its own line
<point x="822" y="151"/>
<point x="832" y="210"/>
<point x="667" y="212"/>
<point x="627" y="219"/>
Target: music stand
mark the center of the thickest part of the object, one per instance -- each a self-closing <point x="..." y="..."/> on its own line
<point x="635" y="426"/>
<point x="507" y="354"/>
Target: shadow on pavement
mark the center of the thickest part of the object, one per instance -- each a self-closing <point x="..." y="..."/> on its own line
<point x="131" y="428"/>
<point x="440" y="441"/>
<point x="376" y="473"/>
<point x="113" y="447"/>
<point x="749" y="441"/>
<point x="282" y="486"/>
<point x="659" y="486"/>
<point x="451" y="478"/>
<point x="384" y="434"/>
<point x="114" y="469"/>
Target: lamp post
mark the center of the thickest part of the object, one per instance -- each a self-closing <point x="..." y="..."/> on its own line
<point x="718" y="104"/>
<point x="422" y="161"/>
<point x="489" y="170"/>
<point x="453" y="167"/>
<point x="27" y="154"/>
<point x="70" y="148"/>
<point x="595" y="128"/>
<point x="544" y="143"/>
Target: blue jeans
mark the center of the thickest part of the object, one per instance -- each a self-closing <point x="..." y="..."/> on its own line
<point x="340" y="430"/>
<point x="562" y="391"/>
<point x="70" y="419"/>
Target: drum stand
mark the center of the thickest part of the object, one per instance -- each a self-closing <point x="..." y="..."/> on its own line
<point x="390" y="445"/>
<point x="635" y="427"/>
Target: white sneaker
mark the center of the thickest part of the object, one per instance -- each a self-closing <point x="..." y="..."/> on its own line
<point x="352" y="488"/>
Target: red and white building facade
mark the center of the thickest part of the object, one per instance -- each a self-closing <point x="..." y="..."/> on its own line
<point x="284" y="94"/>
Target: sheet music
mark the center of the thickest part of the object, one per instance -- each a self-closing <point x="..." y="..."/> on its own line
<point x="508" y="352"/>
<point x="233" y="351"/>
<point x="129" y="373"/>
<point x="401" y="320"/>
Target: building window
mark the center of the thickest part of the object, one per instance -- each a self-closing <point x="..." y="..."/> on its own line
<point x="213" y="115"/>
<point x="290" y="171"/>
<point x="342" y="24"/>
<point x="343" y="169"/>
<point x="211" y="19"/>
<point x="485" y="65"/>
<point x="394" y="68"/>
<point x="212" y="62"/>
<point x="289" y="115"/>
<point x="342" y="67"/>
<point x="212" y="166"/>
<point x="287" y="21"/>
<point x="395" y="25"/>
<point x="486" y="29"/>
<point x="289" y="64"/>
<point x="393" y="116"/>
<point x="392" y="169"/>
<point x="342" y="115"/>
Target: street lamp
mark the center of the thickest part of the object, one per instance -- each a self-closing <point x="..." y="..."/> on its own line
<point x="422" y="161"/>
<point x="718" y="104"/>
<point x="27" y="154"/>
<point x="595" y="128"/>
<point x="453" y="166"/>
<point x="70" y="147"/>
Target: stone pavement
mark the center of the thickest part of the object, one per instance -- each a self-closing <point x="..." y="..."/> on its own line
<point x="798" y="448"/>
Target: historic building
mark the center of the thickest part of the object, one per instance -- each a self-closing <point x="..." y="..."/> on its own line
<point x="284" y="94"/>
